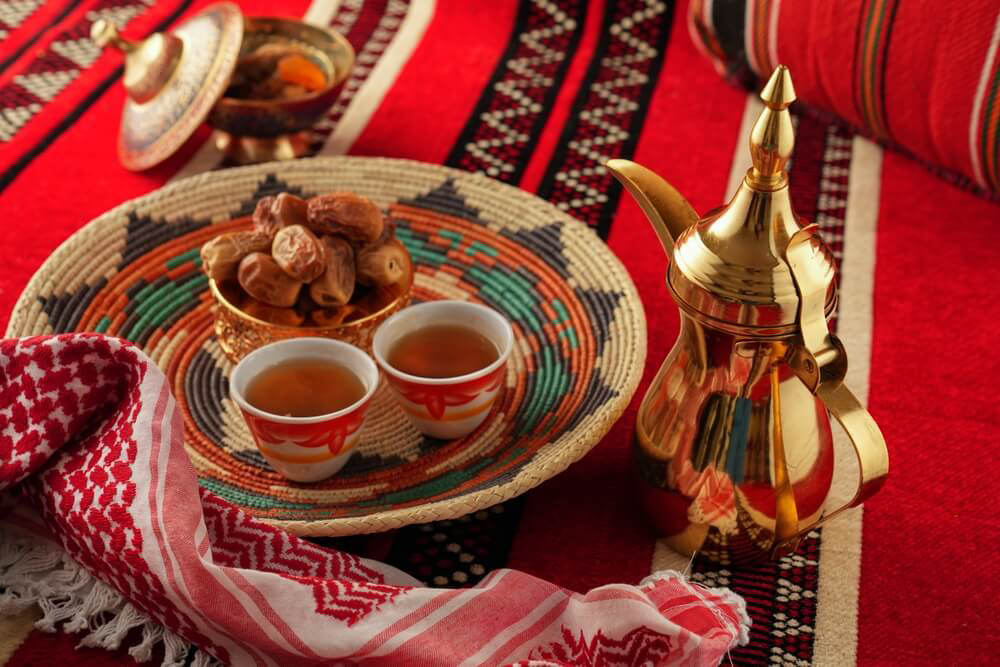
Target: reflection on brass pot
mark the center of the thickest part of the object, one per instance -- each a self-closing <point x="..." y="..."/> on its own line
<point x="731" y="445"/>
<point x="239" y="334"/>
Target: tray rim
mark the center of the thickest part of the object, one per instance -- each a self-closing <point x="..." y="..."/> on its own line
<point x="451" y="508"/>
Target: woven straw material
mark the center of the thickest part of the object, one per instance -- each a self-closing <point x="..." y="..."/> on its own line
<point x="581" y="334"/>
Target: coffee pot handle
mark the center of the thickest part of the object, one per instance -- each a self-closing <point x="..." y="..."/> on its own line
<point x="820" y="361"/>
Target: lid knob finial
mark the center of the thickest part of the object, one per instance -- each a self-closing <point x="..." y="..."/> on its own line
<point x="148" y="63"/>
<point x="104" y="32"/>
<point x="773" y="137"/>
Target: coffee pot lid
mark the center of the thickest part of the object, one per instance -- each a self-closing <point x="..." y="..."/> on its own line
<point x="729" y="268"/>
<point x="173" y="80"/>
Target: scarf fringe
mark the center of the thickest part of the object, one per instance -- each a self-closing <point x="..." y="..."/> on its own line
<point x="73" y="601"/>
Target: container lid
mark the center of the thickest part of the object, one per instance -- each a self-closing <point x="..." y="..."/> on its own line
<point x="173" y="80"/>
<point x="730" y="267"/>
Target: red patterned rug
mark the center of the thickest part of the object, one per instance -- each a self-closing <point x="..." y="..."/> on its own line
<point x="536" y="93"/>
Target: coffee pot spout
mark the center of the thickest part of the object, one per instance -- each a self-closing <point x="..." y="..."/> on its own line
<point x="668" y="211"/>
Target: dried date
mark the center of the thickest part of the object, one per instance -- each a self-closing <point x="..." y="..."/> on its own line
<point x="263" y="217"/>
<point x="261" y="277"/>
<point x="336" y="286"/>
<point x="221" y="256"/>
<point x="386" y="264"/>
<point x="347" y="214"/>
<point x="299" y="253"/>
<point x="290" y="210"/>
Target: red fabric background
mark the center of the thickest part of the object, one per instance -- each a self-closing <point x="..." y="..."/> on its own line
<point x="927" y="73"/>
<point x="928" y="595"/>
<point x="931" y="538"/>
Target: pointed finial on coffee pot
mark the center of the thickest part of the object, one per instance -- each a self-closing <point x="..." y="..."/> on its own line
<point x="773" y="137"/>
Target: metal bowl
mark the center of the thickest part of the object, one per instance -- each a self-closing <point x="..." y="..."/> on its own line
<point x="239" y="334"/>
<point x="272" y="120"/>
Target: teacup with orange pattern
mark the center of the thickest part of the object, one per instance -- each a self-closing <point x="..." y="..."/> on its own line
<point x="446" y="407"/>
<point x="305" y="449"/>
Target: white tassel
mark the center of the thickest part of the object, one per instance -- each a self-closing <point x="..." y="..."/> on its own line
<point x="97" y="602"/>
<point x="151" y="636"/>
<point x="110" y="633"/>
<point x="202" y="659"/>
<point x="175" y="650"/>
<point x="73" y="601"/>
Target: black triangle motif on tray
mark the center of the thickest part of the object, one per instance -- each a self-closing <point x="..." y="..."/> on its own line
<point x="598" y="393"/>
<point x="205" y="386"/>
<point x="546" y="242"/>
<point x="445" y="199"/>
<point x="601" y="305"/>
<point x="360" y="463"/>
<point x="65" y="310"/>
<point x="143" y="233"/>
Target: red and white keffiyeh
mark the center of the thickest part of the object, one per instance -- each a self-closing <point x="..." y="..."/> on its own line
<point x="92" y="442"/>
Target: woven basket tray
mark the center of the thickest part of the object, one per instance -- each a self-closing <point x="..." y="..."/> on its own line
<point x="581" y="342"/>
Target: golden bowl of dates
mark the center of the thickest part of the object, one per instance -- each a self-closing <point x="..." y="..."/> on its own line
<point x="330" y="266"/>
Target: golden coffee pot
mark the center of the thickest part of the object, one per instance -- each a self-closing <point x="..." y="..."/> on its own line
<point x="733" y="442"/>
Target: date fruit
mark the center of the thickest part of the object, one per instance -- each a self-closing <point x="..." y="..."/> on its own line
<point x="221" y="255"/>
<point x="261" y="277"/>
<point x="336" y="286"/>
<point x="386" y="264"/>
<point x="264" y="219"/>
<point x="299" y="253"/>
<point x="345" y="213"/>
<point x="290" y="210"/>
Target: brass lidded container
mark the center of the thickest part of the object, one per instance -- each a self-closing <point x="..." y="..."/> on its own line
<point x="177" y="80"/>
<point x="733" y="442"/>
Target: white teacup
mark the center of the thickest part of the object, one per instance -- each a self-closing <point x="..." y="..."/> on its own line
<point x="305" y="449"/>
<point x="449" y="407"/>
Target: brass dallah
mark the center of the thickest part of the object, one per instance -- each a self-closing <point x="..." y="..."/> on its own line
<point x="733" y="442"/>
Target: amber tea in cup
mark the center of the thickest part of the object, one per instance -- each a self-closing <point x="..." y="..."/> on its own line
<point x="306" y="387"/>
<point x="442" y="351"/>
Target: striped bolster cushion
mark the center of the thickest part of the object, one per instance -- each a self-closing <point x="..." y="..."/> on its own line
<point x="924" y="77"/>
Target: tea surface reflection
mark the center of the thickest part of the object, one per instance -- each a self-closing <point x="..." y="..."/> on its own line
<point x="442" y="351"/>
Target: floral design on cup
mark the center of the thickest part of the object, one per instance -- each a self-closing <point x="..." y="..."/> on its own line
<point x="305" y="449"/>
<point x="332" y="435"/>
<point x="437" y="398"/>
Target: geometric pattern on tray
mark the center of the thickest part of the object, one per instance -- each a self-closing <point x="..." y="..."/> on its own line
<point x="580" y="329"/>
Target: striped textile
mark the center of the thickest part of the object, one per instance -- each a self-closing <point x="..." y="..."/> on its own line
<point x="925" y="80"/>
<point x="123" y="501"/>
<point x="915" y="253"/>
